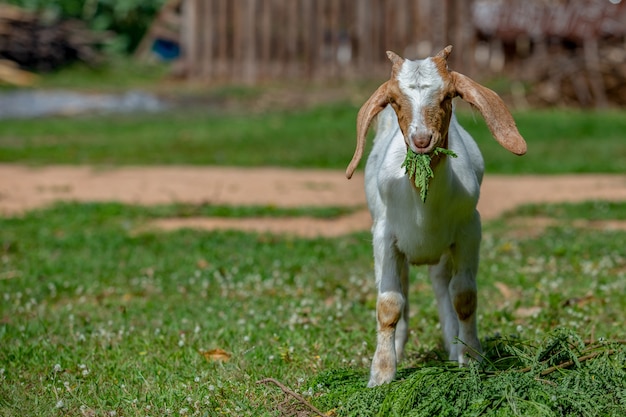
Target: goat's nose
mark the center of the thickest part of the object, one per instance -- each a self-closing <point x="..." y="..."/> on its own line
<point x="421" y="140"/>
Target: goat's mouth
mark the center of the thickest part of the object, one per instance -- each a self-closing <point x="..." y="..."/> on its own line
<point x="428" y="149"/>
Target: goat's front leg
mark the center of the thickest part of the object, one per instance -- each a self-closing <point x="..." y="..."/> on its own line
<point x="391" y="270"/>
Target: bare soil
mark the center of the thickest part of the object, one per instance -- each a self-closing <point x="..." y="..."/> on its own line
<point x="24" y="188"/>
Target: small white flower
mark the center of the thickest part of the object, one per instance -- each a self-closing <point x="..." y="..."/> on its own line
<point x="196" y="379"/>
<point x="60" y="404"/>
<point x="57" y="367"/>
<point x="211" y="387"/>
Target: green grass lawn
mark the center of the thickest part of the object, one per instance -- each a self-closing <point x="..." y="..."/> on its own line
<point x="99" y="318"/>
<point x="322" y="137"/>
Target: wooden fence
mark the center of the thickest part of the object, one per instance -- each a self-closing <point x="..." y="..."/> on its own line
<point x="254" y="40"/>
<point x="569" y="52"/>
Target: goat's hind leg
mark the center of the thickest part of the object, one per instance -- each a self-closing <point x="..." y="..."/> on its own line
<point x="440" y="276"/>
<point x="464" y="299"/>
<point x="463" y="293"/>
<point x="392" y="280"/>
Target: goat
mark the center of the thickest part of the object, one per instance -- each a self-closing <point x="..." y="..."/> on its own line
<point x="415" y="112"/>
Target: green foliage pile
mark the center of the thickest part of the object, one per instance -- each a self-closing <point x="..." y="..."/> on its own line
<point x="562" y="376"/>
<point x="128" y="19"/>
<point x="417" y="167"/>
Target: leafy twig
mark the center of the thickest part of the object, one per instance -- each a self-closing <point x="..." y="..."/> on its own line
<point x="417" y="167"/>
<point x="287" y="391"/>
<point x="569" y="363"/>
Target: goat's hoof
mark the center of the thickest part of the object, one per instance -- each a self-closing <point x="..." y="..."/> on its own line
<point x="374" y="382"/>
<point x="380" y="378"/>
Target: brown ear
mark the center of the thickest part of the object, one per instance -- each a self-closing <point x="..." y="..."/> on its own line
<point x="445" y="52"/>
<point x="377" y="102"/>
<point x="396" y="60"/>
<point x="494" y="111"/>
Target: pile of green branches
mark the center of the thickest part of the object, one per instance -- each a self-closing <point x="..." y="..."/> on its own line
<point x="562" y="376"/>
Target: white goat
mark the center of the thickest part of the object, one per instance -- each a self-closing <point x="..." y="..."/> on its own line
<point x="416" y="112"/>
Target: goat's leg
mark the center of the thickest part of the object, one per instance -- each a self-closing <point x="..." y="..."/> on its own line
<point x="440" y="276"/>
<point x="390" y="266"/>
<point x="402" y="328"/>
<point x="463" y="293"/>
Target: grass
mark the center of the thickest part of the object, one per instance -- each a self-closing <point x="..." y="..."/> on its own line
<point x="590" y="210"/>
<point x="184" y="210"/>
<point x="99" y="320"/>
<point x="317" y="137"/>
<point x="184" y="137"/>
<point x="114" y="74"/>
<point x="100" y="316"/>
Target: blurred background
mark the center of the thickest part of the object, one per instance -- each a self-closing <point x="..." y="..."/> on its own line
<point x="535" y="53"/>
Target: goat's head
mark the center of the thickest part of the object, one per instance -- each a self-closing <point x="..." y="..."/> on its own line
<point x="421" y="94"/>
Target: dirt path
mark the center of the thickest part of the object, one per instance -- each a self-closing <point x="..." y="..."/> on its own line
<point x="23" y="188"/>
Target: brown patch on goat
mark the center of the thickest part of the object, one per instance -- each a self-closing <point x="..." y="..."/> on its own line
<point x="465" y="304"/>
<point x="401" y="105"/>
<point x="437" y="118"/>
<point x="388" y="311"/>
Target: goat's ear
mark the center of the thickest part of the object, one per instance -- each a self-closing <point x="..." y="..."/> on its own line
<point x="377" y="102"/>
<point x="397" y="62"/>
<point x="395" y="58"/>
<point x="445" y="52"/>
<point x="494" y="111"/>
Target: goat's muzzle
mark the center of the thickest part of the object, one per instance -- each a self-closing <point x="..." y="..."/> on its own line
<point x="422" y="142"/>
